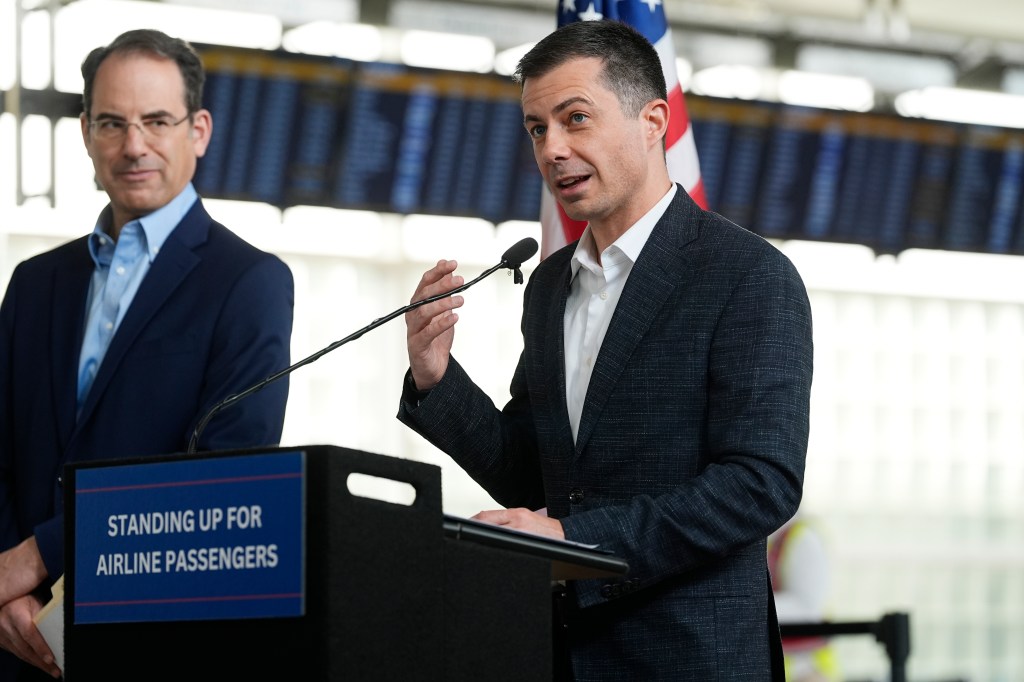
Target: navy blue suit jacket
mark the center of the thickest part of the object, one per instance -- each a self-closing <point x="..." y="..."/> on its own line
<point x="690" y="450"/>
<point x="212" y="316"/>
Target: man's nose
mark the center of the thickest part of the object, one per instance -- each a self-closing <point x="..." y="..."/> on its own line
<point x="556" y="145"/>
<point x="134" y="139"/>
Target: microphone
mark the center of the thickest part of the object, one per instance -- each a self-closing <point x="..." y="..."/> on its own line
<point x="512" y="259"/>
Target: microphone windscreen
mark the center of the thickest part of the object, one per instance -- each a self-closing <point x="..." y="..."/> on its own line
<point x="519" y="252"/>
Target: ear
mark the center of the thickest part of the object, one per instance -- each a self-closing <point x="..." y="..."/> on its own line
<point x="655" y="116"/>
<point x="84" y="120"/>
<point x="87" y="137"/>
<point x="202" y="130"/>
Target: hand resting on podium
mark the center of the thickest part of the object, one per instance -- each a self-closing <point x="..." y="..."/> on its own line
<point x="523" y="519"/>
<point x="21" y="572"/>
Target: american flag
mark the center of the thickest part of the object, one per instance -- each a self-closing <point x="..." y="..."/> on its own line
<point x="648" y="17"/>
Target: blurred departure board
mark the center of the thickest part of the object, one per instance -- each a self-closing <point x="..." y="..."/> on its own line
<point x="295" y="129"/>
<point x="884" y="181"/>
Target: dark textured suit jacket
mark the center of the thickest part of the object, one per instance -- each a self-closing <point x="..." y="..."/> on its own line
<point x="212" y="316"/>
<point x="690" y="450"/>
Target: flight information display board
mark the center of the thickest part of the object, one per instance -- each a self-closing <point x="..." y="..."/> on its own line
<point x="295" y="129"/>
<point x="884" y="181"/>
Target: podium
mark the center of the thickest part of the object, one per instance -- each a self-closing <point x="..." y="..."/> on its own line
<point x="296" y="577"/>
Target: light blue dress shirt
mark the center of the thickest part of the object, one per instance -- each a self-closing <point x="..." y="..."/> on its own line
<point x="120" y="268"/>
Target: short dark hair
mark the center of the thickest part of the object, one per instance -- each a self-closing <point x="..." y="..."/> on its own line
<point x="632" y="68"/>
<point x="155" y="43"/>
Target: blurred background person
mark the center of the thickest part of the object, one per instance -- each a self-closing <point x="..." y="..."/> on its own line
<point x="798" y="561"/>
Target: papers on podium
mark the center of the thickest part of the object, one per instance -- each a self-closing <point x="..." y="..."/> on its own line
<point x="50" y="621"/>
<point x="569" y="560"/>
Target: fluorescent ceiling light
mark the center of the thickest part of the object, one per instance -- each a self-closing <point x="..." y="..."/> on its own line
<point x="705" y="50"/>
<point x="888" y="71"/>
<point x="505" y="27"/>
<point x="738" y="81"/>
<point x="684" y="71"/>
<point x="351" y="41"/>
<point x="826" y="91"/>
<point x="963" y="106"/>
<point x="81" y="26"/>
<point x="735" y="81"/>
<point x="290" y="13"/>
<point x="447" y="51"/>
<point x="505" y="62"/>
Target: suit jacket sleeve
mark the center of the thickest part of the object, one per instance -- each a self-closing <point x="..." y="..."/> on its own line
<point x="252" y="342"/>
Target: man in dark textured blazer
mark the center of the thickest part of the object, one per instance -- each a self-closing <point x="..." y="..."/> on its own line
<point x="660" y="406"/>
<point x="116" y="344"/>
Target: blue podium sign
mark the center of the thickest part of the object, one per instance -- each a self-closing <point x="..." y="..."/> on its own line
<point x="191" y="539"/>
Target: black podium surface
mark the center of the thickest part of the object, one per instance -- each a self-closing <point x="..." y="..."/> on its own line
<point x="389" y="592"/>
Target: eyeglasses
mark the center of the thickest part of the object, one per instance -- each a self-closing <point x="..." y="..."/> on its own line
<point x="116" y="129"/>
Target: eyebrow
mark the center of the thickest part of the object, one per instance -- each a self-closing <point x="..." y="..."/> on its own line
<point x="560" y="107"/>
<point x="150" y="115"/>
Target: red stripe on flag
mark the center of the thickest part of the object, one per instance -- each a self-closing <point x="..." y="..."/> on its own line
<point x="698" y="195"/>
<point x="572" y="229"/>
<point x="679" y="119"/>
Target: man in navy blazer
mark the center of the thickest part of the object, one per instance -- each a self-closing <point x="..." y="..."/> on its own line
<point x="115" y="345"/>
<point x="660" y="407"/>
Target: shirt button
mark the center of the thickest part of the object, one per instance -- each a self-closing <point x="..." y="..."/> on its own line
<point x="604" y="295"/>
<point x="120" y="269"/>
<point x="109" y="326"/>
<point x="575" y="496"/>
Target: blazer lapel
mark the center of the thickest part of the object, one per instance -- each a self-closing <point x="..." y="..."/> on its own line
<point x="660" y="268"/>
<point x="554" y="362"/>
<point x="176" y="259"/>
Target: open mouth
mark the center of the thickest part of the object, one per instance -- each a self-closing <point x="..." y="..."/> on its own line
<point x="567" y="185"/>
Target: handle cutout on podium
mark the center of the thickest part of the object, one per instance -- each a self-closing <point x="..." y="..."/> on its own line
<point x="383" y="489"/>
